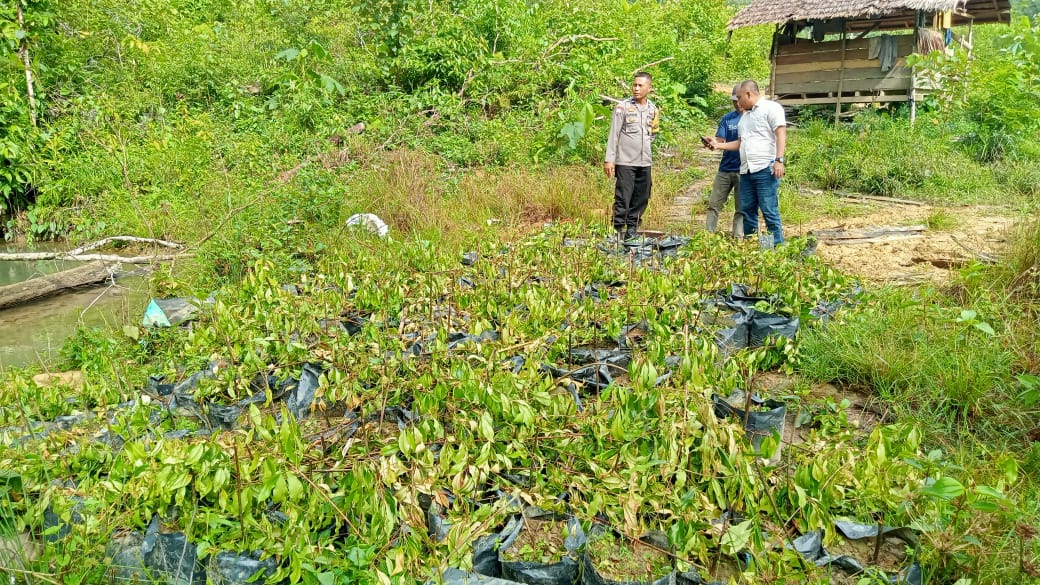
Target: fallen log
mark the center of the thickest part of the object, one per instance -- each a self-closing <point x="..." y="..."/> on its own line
<point x="37" y="288"/>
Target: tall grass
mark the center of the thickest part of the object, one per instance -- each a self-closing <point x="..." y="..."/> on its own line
<point x="1021" y="266"/>
<point x="412" y="194"/>
<point x="883" y="155"/>
<point x="925" y="360"/>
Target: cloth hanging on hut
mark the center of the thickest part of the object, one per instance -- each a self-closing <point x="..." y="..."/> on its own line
<point x="884" y="48"/>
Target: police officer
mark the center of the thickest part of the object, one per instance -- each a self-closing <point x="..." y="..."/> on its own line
<point x="633" y="127"/>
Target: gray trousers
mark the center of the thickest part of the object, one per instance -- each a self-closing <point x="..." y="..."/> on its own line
<point x="725" y="183"/>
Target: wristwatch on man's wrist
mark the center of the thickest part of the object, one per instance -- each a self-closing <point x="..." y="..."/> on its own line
<point x="780" y="160"/>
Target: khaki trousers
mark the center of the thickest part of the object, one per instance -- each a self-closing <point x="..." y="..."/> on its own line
<point x="725" y="183"/>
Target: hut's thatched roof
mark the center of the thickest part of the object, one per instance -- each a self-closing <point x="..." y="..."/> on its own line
<point x="781" y="11"/>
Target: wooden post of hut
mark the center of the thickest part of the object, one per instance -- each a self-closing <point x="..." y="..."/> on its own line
<point x="841" y="76"/>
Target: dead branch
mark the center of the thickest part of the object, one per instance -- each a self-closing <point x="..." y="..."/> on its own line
<point x="134" y="239"/>
<point x="79" y="254"/>
<point x="575" y="38"/>
<point x="980" y="256"/>
<point x="286" y="176"/>
<point x="651" y="64"/>
<point x="146" y="259"/>
<point x="465" y="84"/>
<point x="226" y="219"/>
<point x="895" y="200"/>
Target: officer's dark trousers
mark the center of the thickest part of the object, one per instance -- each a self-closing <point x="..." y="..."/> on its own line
<point x="631" y="194"/>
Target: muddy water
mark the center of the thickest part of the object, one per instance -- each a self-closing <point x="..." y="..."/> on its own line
<point x="35" y="332"/>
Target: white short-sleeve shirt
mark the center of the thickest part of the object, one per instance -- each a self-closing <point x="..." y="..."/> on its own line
<point x="757" y="131"/>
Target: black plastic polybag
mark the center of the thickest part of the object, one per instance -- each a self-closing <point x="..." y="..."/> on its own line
<point x="301" y="398"/>
<point x="758" y="423"/>
<point x="228" y="568"/>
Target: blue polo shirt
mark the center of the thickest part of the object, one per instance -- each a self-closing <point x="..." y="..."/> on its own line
<point x="728" y="131"/>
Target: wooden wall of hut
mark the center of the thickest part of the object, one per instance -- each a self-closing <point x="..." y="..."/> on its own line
<point x="809" y="72"/>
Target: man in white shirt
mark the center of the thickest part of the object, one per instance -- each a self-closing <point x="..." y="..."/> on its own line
<point x="762" y="140"/>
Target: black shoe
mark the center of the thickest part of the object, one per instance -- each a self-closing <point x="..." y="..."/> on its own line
<point x="631" y="233"/>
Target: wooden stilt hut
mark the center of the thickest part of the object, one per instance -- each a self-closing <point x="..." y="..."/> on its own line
<point x="854" y="51"/>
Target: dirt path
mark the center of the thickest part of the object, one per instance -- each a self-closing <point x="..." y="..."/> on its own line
<point x="693" y="196"/>
<point x="957" y="233"/>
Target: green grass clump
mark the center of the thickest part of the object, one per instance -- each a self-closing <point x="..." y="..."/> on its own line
<point x="941" y="220"/>
<point x="885" y="156"/>
<point x="924" y="359"/>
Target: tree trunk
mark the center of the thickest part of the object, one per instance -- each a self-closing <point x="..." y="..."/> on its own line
<point x="24" y="50"/>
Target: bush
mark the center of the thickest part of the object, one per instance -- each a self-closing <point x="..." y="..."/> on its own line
<point x="991" y="96"/>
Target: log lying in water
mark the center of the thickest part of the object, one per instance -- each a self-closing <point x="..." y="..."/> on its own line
<point x="37" y="288"/>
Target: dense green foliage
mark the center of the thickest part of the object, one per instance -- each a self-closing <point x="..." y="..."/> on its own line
<point x="21" y="23"/>
<point x="149" y="107"/>
<point x="963" y="362"/>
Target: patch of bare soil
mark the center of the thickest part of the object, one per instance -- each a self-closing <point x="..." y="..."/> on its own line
<point x="891" y="556"/>
<point x="617" y="559"/>
<point x="539" y="541"/>
<point x="862" y="411"/>
<point x="931" y="257"/>
<point x="669" y="212"/>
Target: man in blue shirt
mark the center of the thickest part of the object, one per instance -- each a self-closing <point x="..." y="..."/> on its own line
<point x="762" y="142"/>
<point x="727" y="179"/>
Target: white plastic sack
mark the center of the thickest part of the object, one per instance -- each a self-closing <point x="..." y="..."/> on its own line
<point x="370" y="222"/>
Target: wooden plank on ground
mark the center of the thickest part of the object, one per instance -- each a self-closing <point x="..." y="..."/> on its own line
<point x="880" y="198"/>
<point x="871" y="240"/>
<point x="907" y="279"/>
<point x="871" y="235"/>
<point x="942" y="262"/>
<point x="37" y="288"/>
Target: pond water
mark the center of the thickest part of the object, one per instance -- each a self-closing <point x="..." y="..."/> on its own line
<point x="35" y="332"/>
